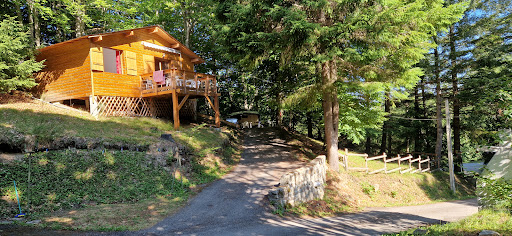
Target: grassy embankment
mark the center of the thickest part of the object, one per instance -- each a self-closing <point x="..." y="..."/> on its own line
<point x="353" y="191"/>
<point x="498" y="221"/>
<point x="98" y="188"/>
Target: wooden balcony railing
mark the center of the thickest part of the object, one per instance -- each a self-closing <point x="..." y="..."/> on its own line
<point x="187" y="82"/>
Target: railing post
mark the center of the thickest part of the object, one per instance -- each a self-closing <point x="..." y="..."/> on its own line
<point x="428" y="163"/>
<point x="385" y="165"/>
<point x="345" y="160"/>
<point x="399" y="161"/>
<point x="410" y="163"/>
<point x="185" y="81"/>
<point x="196" y="81"/>
<point x="419" y="164"/>
<point x="366" y="163"/>
<point x="155" y="89"/>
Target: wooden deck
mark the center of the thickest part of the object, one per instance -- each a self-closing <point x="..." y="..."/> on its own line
<point x="182" y="82"/>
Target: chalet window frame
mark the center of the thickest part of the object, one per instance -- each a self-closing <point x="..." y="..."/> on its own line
<point x="121" y="56"/>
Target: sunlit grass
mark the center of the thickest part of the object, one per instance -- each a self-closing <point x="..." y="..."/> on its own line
<point x="353" y="190"/>
<point x="498" y="221"/>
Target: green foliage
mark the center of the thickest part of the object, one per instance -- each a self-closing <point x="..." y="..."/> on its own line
<point x="374" y="46"/>
<point x="368" y="189"/>
<point x="66" y="179"/>
<point x="495" y="193"/>
<point x="17" y="63"/>
<point x="498" y="221"/>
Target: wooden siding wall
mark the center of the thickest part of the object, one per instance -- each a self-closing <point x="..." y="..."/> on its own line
<point x="112" y="84"/>
<point x="68" y="67"/>
<point x="123" y="85"/>
<point x="67" y="72"/>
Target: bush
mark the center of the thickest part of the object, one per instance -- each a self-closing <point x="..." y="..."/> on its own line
<point x="494" y="193"/>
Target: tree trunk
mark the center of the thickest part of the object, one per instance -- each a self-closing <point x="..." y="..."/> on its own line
<point x="37" y="28"/>
<point x="319" y="132"/>
<point x="389" y="141"/>
<point x="439" y="102"/>
<point x="457" y="159"/>
<point x="385" y="126"/>
<point x="279" y="111"/>
<point x="309" y="120"/>
<point x="426" y="141"/>
<point x="417" y="125"/>
<point x="368" y="146"/>
<point x="31" y="10"/>
<point x="79" y="20"/>
<point x="331" y="109"/>
<point x="290" y="120"/>
<point x="188" y="24"/>
<point x="19" y="14"/>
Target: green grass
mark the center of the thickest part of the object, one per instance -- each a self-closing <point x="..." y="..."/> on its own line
<point x="105" y="190"/>
<point x="73" y="179"/>
<point x="499" y="221"/>
<point x="358" y="161"/>
<point x="47" y="126"/>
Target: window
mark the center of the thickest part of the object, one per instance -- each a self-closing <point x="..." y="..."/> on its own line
<point x="161" y="64"/>
<point x="112" y="61"/>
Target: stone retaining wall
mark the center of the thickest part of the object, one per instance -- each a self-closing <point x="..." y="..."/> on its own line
<point x="301" y="185"/>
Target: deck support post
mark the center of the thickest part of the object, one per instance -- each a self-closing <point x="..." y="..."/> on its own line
<point x="175" y="110"/>
<point x="217" y="110"/>
<point x="93" y="106"/>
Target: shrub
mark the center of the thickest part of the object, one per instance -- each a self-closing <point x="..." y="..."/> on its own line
<point x="494" y="193"/>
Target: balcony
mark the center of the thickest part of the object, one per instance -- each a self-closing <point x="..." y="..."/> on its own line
<point x="179" y="81"/>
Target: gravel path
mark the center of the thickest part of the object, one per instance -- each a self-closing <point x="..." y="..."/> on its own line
<point x="236" y="204"/>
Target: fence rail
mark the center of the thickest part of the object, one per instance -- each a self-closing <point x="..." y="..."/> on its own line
<point x="402" y="168"/>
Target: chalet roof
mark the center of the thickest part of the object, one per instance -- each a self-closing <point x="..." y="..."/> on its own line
<point x="154" y="28"/>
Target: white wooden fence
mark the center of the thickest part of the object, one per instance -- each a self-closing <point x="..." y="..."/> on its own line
<point x="402" y="167"/>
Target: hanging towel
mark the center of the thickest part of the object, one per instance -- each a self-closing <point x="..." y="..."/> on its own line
<point x="158" y="77"/>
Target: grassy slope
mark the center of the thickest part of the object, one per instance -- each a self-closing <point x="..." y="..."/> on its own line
<point x="499" y="221"/>
<point x="352" y="191"/>
<point x="48" y="122"/>
<point x="111" y="190"/>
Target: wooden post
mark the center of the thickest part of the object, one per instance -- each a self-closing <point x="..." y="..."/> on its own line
<point x="449" y="146"/>
<point x="428" y="163"/>
<point x="419" y="164"/>
<point x="399" y="161"/>
<point x="385" y="165"/>
<point x="345" y="159"/>
<point x="366" y="163"/>
<point x="410" y="163"/>
<point x="217" y="110"/>
<point x="175" y="110"/>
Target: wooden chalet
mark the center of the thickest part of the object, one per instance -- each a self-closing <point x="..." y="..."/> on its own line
<point x="137" y="72"/>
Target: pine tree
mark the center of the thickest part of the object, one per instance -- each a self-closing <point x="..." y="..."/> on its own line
<point x="347" y="42"/>
<point x="17" y="63"/>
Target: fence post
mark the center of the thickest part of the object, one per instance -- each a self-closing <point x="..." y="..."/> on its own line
<point x="419" y="164"/>
<point x="385" y="166"/>
<point x="345" y="160"/>
<point x="428" y="163"/>
<point x="366" y="163"/>
<point x="410" y="163"/>
<point x="399" y="162"/>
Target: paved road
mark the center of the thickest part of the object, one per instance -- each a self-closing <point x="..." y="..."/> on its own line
<point x="236" y="204"/>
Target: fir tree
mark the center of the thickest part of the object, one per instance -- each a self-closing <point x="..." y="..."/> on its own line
<point x="348" y="42"/>
<point x="17" y="63"/>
